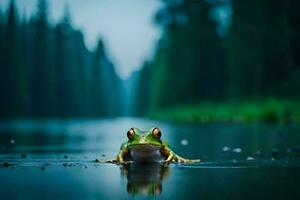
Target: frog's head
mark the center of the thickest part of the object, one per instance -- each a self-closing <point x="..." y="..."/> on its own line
<point x="138" y="137"/>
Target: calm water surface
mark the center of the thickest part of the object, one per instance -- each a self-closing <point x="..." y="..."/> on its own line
<point x="55" y="159"/>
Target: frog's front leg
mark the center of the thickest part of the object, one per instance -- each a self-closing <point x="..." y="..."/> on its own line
<point x="173" y="157"/>
<point x="120" y="157"/>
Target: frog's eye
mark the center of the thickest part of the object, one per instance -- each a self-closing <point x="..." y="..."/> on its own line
<point x="156" y="133"/>
<point x="130" y="133"/>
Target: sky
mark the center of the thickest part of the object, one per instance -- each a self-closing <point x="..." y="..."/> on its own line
<point x="126" y="26"/>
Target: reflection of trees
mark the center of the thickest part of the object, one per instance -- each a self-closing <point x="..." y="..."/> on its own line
<point x="32" y="141"/>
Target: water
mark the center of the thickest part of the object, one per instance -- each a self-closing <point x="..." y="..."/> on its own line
<point x="56" y="158"/>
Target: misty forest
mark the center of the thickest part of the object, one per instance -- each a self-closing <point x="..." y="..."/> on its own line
<point x="198" y="70"/>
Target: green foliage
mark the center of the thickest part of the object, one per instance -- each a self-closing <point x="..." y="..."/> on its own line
<point x="257" y="59"/>
<point x="189" y="56"/>
<point x="269" y="111"/>
<point x="258" y="47"/>
<point x="189" y="63"/>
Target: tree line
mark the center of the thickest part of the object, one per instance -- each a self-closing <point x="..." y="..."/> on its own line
<point x="47" y="71"/>
<point x="258" y="57"/>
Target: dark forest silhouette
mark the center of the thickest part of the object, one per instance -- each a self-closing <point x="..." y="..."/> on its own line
<point x="47" y="71"/>
<point x="257" y="59"/>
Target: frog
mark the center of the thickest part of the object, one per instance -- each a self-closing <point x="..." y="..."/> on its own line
<point x="147" y="147"/>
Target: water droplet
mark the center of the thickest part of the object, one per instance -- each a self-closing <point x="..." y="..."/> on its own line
<point x="184" y="142"/>
<point x="226" y="148"/>
<point x="250" y="158"/>
<point x="237" y="150"/>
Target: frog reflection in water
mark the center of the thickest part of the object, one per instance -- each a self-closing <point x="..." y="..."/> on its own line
<point x="147" y="146"/>
<point x="144" y="179"/>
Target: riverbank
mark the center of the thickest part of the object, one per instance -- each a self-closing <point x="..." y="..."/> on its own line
<point x="270" y="111"/>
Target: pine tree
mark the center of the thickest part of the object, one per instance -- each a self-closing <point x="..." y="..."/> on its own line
<point x="96" y="88"/>
<point x="294" y="24"/>
<point x="81" y="84"/>
<point x="258" y="48"/>
<point x="13" y="86"/>
<point x="41" y="79"/>
<point x="142" y="96"/>
<point x="2" y="70"/>
<point x="191" y="60"/>
<point x="50" y="72"/>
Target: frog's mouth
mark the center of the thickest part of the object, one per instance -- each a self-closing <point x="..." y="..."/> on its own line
<point x="145" y="153"/>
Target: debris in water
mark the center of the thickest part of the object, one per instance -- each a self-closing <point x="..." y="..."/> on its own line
<point x="234" y="160"/>
<point x="85" y="167"/>
<point x="65" y="157"/>
<point x="67" y="165"/>
<point x="250" y="158"/>
<point x="184" y="142"/>
<point x="226" y="148"/>
<point x="103" y="155"/>
<point x="43" y="168"/>
<point x="12" y="141"/>
<point x="97" y="160"/>
<point x="23" y="155"/>
<point x="237" y="150"/>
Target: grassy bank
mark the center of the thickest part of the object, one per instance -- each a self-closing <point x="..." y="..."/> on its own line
<point x="270" y="111"/>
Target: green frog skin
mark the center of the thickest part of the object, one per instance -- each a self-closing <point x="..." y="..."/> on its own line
<point x="147" y="146"/>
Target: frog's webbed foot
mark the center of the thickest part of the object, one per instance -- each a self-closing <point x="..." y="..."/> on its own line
<point x="173" y="158"/>
<point x="125" y="162"/>
<point x="117" y="160"/>
<point x="180" y="159"/>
